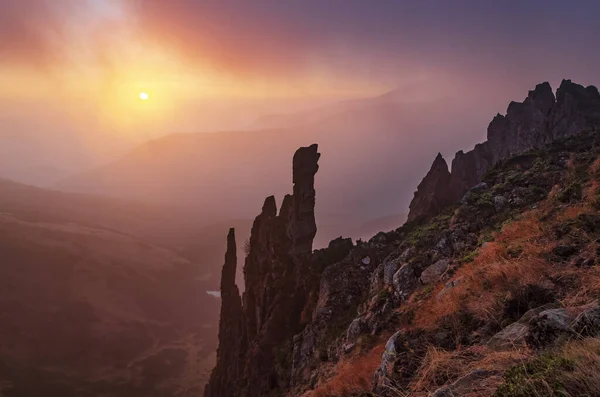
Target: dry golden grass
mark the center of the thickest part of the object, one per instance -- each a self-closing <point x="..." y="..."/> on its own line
<point x="585" y="357"/>
<point x="352" y="375"/>
<point x="441" y="367"/>
<point x="438" y="367"/>
<point x="516" y="259"/>
<point x="493" y="274"/>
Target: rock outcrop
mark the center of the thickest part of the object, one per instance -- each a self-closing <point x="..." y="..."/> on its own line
<point x="279" y="277"/>
<point x="538" y="120"/>
<point x="525" y="125"/>
<point x="231" y="341"/>
<point x="304" y="312"/>
<point x="433" y="193"/>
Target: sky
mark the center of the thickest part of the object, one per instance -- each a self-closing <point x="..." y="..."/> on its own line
<point x="81" y="64"/>
<point x="291" y="47"/>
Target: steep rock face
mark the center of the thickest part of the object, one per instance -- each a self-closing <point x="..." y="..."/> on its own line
<point x="468" y="169"/>
<point x="577" y="108"/>
<point x="525" y="125"/>
<point x="279" y="277"/>
<point x="344" y="284"/>
<point x="231" y="342"/>
<point x="301" y="224"/>
<point x="275" y="270"/>
<point x="433" y="193"/>
<point x="536" y="121"/>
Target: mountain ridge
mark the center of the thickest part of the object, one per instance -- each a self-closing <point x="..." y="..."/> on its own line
<point x="539" y="119"/>
<point x="384" y="307"/>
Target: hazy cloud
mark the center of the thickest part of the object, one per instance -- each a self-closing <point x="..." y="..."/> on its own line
<point x="31" y="31"/>
<point x="389" y="40"/>
<point x="287" y="36"/>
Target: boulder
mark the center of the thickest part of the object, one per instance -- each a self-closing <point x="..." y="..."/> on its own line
<point x="434" y="272"/>
<point x="548" y="327"/>
<point x="384" y="273"/>
<point x="404" y="282"/>
<point x="382" y="378"/>
<point x="510" y="337"/>
<point x="499" y="203"/>
<point x="389" y="269"/>
<point x="357" y="327"/>
<point x="407" y="254"/>
<point x="479" y="186"/>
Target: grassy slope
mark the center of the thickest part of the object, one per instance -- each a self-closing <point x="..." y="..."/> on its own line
<point x="518" y="262"/>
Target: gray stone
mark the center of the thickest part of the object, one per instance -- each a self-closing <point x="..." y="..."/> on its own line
<point x="510" y="337"/>
<point x="548" y="327"/>
<point x="366" y="260"/>
<point x="525" y="318"/>
<point x="405" y="256"/>
<point x="499" y="203"/>
<point x="357" y="326"/>
<point x="404" y="281"/>
<point x="480" y="186"/>
<point x="433" y="273"/>
<point x="382" y="376"/>
<point x="389" y="269"/>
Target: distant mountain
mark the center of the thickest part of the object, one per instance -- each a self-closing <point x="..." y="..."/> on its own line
<point x="376" y="151"/>
<point x="40" y="175"/>
<point x="197" y="237"/>
<point x="400" y="98"/>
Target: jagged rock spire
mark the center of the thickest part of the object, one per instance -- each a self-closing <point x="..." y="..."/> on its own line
<point x="302" y="227"/>
<point x="230" y="266"/>
<point x="231" y="341"/>
<point x="577" y="108"/>
<point x="536" y="121"/>
<point x="275" y="272"/>
<point x="433" y="192"/>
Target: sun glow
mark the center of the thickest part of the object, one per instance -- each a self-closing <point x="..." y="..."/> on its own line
<point x="144" y="96"/>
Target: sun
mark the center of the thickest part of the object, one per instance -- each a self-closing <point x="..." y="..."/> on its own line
<point x="144" y="96"/>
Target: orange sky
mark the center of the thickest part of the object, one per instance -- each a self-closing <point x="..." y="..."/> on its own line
<point x="220" y="64"/>
<point x="99" y="53"/>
